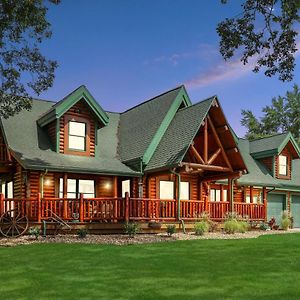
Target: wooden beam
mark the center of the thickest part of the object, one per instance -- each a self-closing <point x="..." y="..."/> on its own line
<point x="197" y="154"/>
<point x="222" y="176"/>
<point x="219" y="143"/>
<point x="232" y="150"/>
<point x="205" y="142"/>
<point x="222" y="129"/>
<point x="206" y="167"/>
<point x="213" y="157"/>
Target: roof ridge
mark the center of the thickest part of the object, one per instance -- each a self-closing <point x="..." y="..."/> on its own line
<point x="197" y="103"/>
<point x="268" y="137"/>
<point x="153" y="98"/>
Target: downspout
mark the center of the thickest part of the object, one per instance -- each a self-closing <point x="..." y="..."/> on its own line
<point x="178" y="198"/>
<point x="140" y="183"/>
<point x="42" y="182"/>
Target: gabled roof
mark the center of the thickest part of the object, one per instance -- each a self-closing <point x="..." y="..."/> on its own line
<point x="179" y="135"/>
<point x="273" y="145"/>
<point x="142" y="127"/>
<point x="259" y="175"/>
<point x="61" y="107"/>
<point x="31" y="146"/>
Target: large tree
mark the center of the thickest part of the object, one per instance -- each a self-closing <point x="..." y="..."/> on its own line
<point x="23" y="68"/>
<point x="264" y="33"/>
<point x="282" y="115"/>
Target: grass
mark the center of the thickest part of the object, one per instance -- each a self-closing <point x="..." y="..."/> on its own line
<point x="263" y="268"/>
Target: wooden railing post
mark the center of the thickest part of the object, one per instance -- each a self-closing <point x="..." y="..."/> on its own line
<point x="81" y="209"/>
<point x="39" y="205"/>
<point x="265" y="204"/>
<point x="1" y="203"/>
<point x="126" y="207"/>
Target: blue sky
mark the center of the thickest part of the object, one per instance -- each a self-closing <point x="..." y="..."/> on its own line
<point x="126" y="52"/>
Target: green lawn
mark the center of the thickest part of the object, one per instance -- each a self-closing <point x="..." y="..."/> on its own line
<point x="263" y="268"/>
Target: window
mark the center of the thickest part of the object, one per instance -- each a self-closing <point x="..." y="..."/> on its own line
<point x="225" y="195"/>
<point x="75" y="187"/>
<point x="166" y="190"/>
<point x="215" y="195"/>
<point x="125" y="187"/>
<point x="7" y="189"/>
<point x="184" y="190"/>
<point x="283" y="165"/>
<point x="77" y="136"/>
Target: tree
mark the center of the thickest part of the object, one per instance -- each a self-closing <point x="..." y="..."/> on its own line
<point x="23" y="68"/>
<point x="263" y="34"/>
<point x="282" y="115"/>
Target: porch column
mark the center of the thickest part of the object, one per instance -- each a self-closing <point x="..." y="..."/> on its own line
<point x="265" y="202"/>
<point x="115" y="186"/>
<point x="65" y="195"/>
<point x="230" y="195"/>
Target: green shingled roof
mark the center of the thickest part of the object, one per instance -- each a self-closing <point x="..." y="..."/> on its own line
<point x="179" y="135"/>
<point x="32" y="148"/>
<point x="142" y="127"/>
<point x="272" y="145"/>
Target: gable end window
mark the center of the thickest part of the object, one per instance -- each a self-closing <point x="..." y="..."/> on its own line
<point x="283" y="165"/>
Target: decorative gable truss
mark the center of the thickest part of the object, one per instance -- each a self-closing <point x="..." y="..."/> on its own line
<point x="72" y="123"/>
<point x="213" y="151"/>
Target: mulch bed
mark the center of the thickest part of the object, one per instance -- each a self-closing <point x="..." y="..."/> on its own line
<point x="118" y="239"/>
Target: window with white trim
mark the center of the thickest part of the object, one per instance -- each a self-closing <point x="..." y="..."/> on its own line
<point x="184" y="190"/>
<point x="215" y="195"/>
<point x="125" y="187"/>
<point x="75" y="187"/>
<point x="166" y="189"/>
<point x="77" y="136"/>
<point x="283" y="165"/>
<point x="7" y="189"/>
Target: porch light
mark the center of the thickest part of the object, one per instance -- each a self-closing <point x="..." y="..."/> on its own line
<point x="107" y="186"/>
<point x="47" y="182"/>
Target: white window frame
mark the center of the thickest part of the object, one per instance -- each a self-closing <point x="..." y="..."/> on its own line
<point x="215" y="195"/>
<point x="75" y="193"/>
<point x="166" y="190"/>
<point x="184" y="190"/>
<point x="77" y="136"/>
<point x="283" y="166"/>
<point x="125" y="187"/>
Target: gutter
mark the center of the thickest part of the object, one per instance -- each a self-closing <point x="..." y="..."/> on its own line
<point x="178" y="198"/>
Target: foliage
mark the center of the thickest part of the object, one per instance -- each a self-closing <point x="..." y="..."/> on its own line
<point x="171" y="229"/>
<point x="235" y="223"/>
<point x="82" y="233"/>
<point x="264" y="33"/>
<point x="285" y="220"/>
<point x="131" y="229"/>
<point x="263" y="226"/>
<point x="272" y="223"/>
<point x="35" y="231"/>
<point x="23" y="68"/>
<point x="201" y="227"/>
<point x="282" y="115"/>
<point x="205" y="216"/>
<point x="231" y="226"/>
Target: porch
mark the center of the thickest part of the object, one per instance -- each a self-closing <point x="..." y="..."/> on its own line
<point x="119" y="210"/>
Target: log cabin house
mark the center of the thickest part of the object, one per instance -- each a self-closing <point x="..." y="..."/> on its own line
<point x="164" y="160"/>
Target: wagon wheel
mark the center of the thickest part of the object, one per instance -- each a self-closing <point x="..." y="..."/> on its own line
<point x="13" y="224"/>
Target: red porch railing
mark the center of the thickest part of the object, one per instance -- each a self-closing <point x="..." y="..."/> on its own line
<point x="126" y="209"/>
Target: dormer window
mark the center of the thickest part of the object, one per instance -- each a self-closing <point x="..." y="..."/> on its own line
<point x="77" y="136"/>
<point x="283" y="165"/>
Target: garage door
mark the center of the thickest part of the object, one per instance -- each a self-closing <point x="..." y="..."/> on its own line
<point x="276" y="205"/>
<point x="295" y="209"/>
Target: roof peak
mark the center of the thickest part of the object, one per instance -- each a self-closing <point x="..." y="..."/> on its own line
<point x="153" y="98"/>
<point x="199" y="102"/>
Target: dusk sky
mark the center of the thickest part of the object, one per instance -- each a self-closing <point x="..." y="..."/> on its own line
<point x="126" y="52"/>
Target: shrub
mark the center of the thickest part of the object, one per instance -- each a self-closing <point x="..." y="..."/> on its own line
<point x="231" y="226"/>
<point x="201" y="227"/>
<point x="263" y="226"/>
<point x="213" y="226"/>
<point x="243" y="226"/>
<point x="131" y="229"/>
<point x="285" y="220"/>
<point x="82" y="233"/>
<point x="34" y="231"/>
<point x="171" y="229"/>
